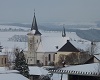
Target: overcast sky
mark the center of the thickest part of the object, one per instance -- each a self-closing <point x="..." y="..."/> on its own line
<point x="49" y="10"/>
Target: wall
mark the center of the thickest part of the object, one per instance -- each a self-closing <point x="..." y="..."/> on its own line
<point x="3" y="60"/>
<point x="58" y="53"/>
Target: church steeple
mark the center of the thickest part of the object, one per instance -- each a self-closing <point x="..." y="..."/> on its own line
<point x="34" y="26"/>
<point x="63" y="32"/>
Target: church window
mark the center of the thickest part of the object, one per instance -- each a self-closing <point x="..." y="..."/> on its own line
<point x="30" y="59"/>
<point x="49" y="57"/>
<point x="2" y="60"/>
<point x="5" y="61"/>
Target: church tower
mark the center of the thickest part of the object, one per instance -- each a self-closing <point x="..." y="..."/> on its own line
<point x="34" y="39"/>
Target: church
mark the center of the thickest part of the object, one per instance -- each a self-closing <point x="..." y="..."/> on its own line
<point x="41" y="48"/>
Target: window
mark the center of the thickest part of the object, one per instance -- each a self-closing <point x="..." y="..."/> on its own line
<point x="2" y="61"/>
<point x="49" y="56"/>
<point x="5" y="61"/>
<point x="38" y="61"/>
<point x="30" y="59"/>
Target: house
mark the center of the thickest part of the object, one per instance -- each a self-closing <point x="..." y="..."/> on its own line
<point x="67" y="49"/>
<point x="71" y="55"/>
<point x="80" y="72"/>
<point x="3" y="58"/>
<point x="35" y="72"/>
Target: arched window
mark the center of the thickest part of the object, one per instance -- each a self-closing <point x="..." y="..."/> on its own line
<point x="2" y="61"/>
<point x="49" y="57"/>
<point x="5" y="61"/>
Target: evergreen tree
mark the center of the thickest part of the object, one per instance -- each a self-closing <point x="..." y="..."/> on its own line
<point x="20" y="63"/>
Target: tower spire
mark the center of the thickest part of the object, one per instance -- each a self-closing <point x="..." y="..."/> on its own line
<point x="63" y="32"/>
<point x="34" y="25"/>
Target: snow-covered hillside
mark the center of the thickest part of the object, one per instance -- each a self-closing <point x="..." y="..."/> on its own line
<point x="12" y="28"/>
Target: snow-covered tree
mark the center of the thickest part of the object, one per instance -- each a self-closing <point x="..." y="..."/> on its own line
<point x="20" y="63"/>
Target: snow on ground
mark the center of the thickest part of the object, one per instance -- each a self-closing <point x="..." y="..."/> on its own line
<point x="8" y="44"/>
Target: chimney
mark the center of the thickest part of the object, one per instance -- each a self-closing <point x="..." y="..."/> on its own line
<point x="67" y="40"/>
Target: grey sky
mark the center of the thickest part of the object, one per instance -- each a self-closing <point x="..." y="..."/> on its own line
<point x="50" y="10"/>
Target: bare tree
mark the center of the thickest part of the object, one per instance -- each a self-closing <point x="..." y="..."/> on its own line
<point x="11" y="56"/>
<point x="74" y="58"/>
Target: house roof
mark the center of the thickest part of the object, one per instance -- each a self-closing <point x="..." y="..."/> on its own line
<point x="35" y="70"/>
<point x="68" y="47"/>
<point x="6" y="74"/>
<point x="85" y="69"/>
<point x="2" y="53"/>
<point x="51" y="43"/>
<point x="97" y="57"/>
<point x="13" y="76"/>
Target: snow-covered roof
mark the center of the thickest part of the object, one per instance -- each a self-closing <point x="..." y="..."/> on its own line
<point x="58" y="77"/>
<point x="85" y="69"/>
<point x="97" y="56"/>
<point x="35" y="70"/>
<point x="50" y="44"/>
<point x="51" y="40"/>
<point x="12" y="76"/>
<point x="83" y="45"/>
<point x="6" y="74"/>
<point x="6" y="70"/>
<point x="2" y="53"/>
